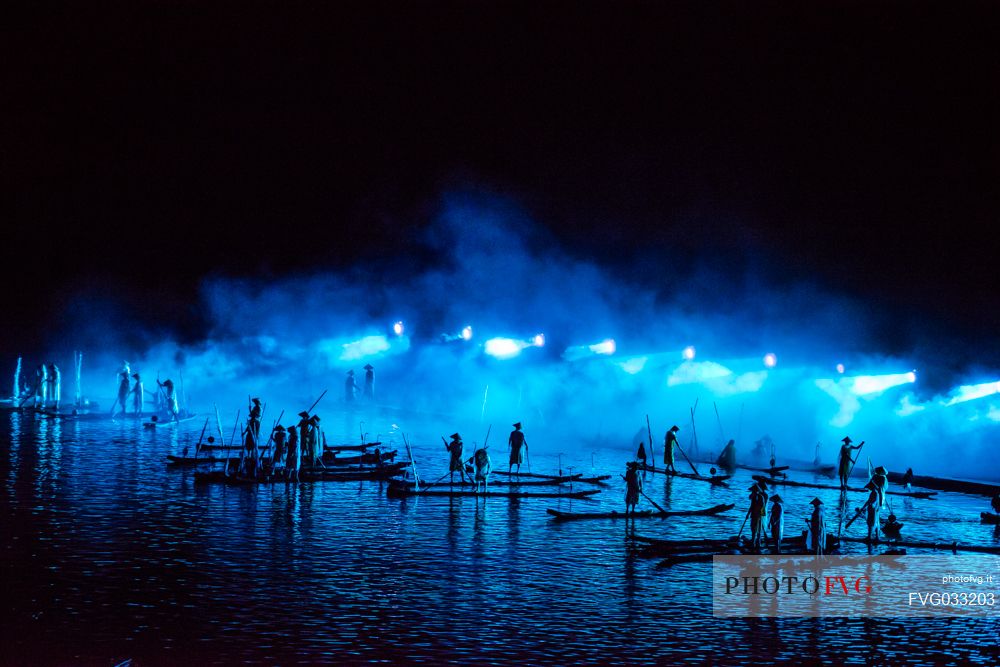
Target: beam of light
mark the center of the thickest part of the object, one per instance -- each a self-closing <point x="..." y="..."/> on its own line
<point x="970" y="392"/>
<point x="770" y="360"/>
<point x="504" y="348"/>
<point x="538" y="340"/>
<point x="604" y="347"/>
<point x="848" y="390"/>
<point x="397" y="328"/>
<point x="867" y="385"/>
<point x="688" y="352"/>
<point x="467" y="332"/>
<point x="840" y="368"/>
<point x="633" y="365"/>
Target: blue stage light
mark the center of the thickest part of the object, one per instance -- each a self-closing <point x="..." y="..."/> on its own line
<point x="689" y="352"/>
<point x="467" y="333"/>
<point x="397" y="328"/>
<point x="770" y="360"/>
<point x="503" y="348"/>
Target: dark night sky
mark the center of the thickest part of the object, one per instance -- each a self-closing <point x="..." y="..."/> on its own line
<point x="146" y="145"/>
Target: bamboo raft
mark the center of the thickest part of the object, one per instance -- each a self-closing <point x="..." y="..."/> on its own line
<point x="929" y="495"/>
<point x="220" y="477"/>
<point x="331" y="460"/>
<point x="937" y="546"/>
<point x="397" y="490"/>
<point x="352" y="448"/>
<point x="948" y="484"/>
<point x="716" y="480"/>
<point x="558" y="515"/>
<point x="578" y="478"/>
<point x="555" y="481"/>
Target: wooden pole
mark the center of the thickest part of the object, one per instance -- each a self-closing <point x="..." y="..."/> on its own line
<point x="317" y="401"/>
<point x="722" y="434"/>
<point x="649" y="432"/>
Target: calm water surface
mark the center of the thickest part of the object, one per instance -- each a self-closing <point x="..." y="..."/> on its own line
<point x="108" y="554"/>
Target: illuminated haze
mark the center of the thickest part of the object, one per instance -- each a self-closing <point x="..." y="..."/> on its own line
<point x="287" y="339"/>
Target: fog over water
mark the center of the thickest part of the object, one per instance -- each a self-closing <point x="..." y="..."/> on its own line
<point x="483" y="262"/>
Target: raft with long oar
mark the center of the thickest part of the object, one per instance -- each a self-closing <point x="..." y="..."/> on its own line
<point x="576" y="478"/>
<point x="555" y="481"/>
<point x="716" y="480"/>
<point x="403" y="491"/>
<point x="558" y="515"/>
<point x="788" y="482"/>
<point x="949" y="484"/>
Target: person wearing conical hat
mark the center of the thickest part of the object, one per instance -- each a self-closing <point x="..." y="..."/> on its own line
<point x="483" y="466"/>
<point x="669" y="440"/>
<point x="304" y="425"/>
<point x="124" y="385"/>
<point x="169" y="397"/>
<point x="517" y="446"/>
<point x="137" y="395"/>
<point x="55" y="386"/>
<point x="892" y="527"/>
<point x="777" y="521"/>
<point x="350" y="387"/>
<point x="846" y="462"/>
<point x="455" y="463"/>
<point x="293" y="459"/>
<point x="880" y="478"/>
<point x="633" y="486"/>
<point x="871" y="507"/>
<point x="758" y="512"/>
<point x="369" y="391"/>
<point x="314" y="445"/>
<point x="278" y="455"/>
<point x="816" y="537"/>
<point x="995" y="503"/>
<point x="640" y="456"/>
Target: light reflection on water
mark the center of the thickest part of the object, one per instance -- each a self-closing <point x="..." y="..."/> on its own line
<point x="110" y="555"/>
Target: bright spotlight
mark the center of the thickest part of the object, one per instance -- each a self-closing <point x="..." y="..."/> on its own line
<point x="770" y="360"/>
<point x="397" y="328"/>
<point x="538" y="340"/>
<point x="503" y="348"/>
<point x="689" y="352"/>
<point x="866" y="385"/>
<point x="970" y="392"/>
<point x="604" y="347"/>
<point x="467" y="333"/>
<point x="840" y="368"/>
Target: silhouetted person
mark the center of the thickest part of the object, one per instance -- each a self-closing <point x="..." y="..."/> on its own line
<point x="816" y="542"/>
<point x="846" y="462"/>
<point x="350" y="387"/>
<point x="669" y="440"/>
<point x="124" y="387"/>
<point x="369" y="391"/>
<point x="517" y="445"/>
<point x="455" y="463"/>
<point x="633" y="486"/>
<point x="777" y="521"/>
<point x="137" y="395"/>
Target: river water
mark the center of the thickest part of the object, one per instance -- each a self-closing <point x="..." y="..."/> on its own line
<point x="108" y="554"/>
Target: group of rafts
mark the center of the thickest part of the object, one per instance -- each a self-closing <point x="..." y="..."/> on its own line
<point x="299" y="452"/>
<point x="767" y="523"/>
